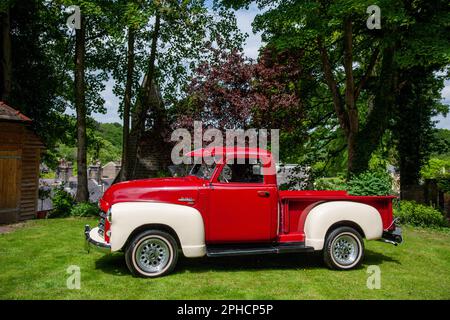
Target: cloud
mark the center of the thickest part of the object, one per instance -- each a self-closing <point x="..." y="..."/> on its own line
<point x="444" y="122"/>
<point x="244" y="20"/>
<point x="446" y="92"/>
<point x="111" y="105"/>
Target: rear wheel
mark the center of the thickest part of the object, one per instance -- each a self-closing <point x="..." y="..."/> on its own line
<point x="152" y="253"/>
<point x="344" y="249"/>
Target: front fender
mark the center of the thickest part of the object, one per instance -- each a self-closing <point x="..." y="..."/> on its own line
<point x="186" y="221"/>
<point x="323" y="216"/>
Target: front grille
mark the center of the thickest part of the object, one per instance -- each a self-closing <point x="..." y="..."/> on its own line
<point x="101" y="225"/>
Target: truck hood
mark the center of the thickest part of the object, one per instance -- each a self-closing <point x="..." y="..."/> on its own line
<point x="155" y="189"/>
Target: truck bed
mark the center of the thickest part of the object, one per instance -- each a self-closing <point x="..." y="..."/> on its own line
<point x="295" y="206"/>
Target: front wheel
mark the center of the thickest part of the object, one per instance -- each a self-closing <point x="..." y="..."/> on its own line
<point x="152" y="253"/>
<point x="344" y="249"/>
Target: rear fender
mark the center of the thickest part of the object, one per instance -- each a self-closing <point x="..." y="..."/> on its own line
<point x="322" y="217"/>
<point x="187" y="223"/>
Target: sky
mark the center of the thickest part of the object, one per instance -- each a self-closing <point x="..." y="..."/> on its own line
<point x="244" y="19"/>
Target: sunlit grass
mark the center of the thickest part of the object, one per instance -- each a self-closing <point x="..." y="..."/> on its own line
<point x="34" y="260"/>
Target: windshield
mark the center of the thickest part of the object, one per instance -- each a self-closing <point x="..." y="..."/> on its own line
<point x="203" y="170"/>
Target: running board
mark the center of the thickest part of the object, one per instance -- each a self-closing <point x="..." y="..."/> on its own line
<point x="245" y="250"/>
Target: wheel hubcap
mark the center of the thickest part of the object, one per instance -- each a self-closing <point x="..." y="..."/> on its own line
<point x="345" y="249"/>
<point x="152" y="255"/>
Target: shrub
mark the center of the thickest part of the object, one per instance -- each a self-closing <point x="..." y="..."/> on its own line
<point x="434" y="168"/>
<point x="334" y="183"/>
<point x="444" y="184"/>
<point x="62" y="203"/>
<point x="84" y="209"/>
<point x="410" y="212"/>
<point x="370" y="183"/>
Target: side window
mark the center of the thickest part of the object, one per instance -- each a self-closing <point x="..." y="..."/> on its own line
<point x="242" y="173"/>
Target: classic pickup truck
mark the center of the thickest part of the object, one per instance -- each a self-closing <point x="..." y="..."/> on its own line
<point x="232" y="206"/>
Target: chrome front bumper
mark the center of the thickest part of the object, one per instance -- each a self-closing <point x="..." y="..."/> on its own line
<point x="93" y="240"/>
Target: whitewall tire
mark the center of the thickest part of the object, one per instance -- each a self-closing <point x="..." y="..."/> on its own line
<point x="344" y="249"/>
<point x="151" y="254"/>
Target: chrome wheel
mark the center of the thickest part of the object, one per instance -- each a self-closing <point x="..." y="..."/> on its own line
<point x="152" y="255"/>
<point x="345" y="249"/>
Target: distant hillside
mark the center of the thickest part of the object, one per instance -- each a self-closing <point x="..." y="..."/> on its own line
<point x="109" y="138"/>
<point x="104" y="144"/>
<point x="112" y="132"/>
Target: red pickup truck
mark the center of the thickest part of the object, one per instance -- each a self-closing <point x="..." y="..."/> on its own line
<point x="233" y="207"/>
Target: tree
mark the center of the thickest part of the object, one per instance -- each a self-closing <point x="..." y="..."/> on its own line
<point x="418" y="101"/>
<point x="5" y="54"/>
<point x="90" y="72"/>
<point x="80" y="105"/>
<point x="359" y="66"/>
<point x="221" y="94"/>
<point x="38" y="81"/>
<point x="127" y="102"/>
<point x="169" y="37"/>
<point x="229" y="91"/>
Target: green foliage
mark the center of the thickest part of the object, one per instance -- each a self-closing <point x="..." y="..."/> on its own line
<point x="435" y="168"/>
<point x="365" y="184"/>
<point x="163" y="174"/>
<point x="333" y="183"/>
<point x="47" y="175"/>
<point x="63" y="202"/>
<point x="370" y="183"/>
<point x="39" y="78"/>
<point x="444" y="184"/>
<point x="84" y="209"/>
<point x="417" y="45"/>
<point x="441" y="144"/>
<point x="438" y="169"/>
<point x="104" y="144"/>
<point x="112" y="132"/>
<point x="421" y="215"/>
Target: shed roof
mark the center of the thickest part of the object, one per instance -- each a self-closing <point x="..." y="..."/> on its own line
<point x="8" y="113"/>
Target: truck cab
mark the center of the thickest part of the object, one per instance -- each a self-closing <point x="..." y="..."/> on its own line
<point x="229" y="204"/>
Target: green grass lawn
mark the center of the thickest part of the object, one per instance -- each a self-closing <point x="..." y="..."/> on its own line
<point x="34" y="260"/>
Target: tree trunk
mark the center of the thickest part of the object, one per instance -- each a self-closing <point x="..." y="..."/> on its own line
<point x="6" y="58"/>
<point x="350" y="101"/>
<point x="80" y="104"/>
<point x="127" y="104"/>
<point x="368" y="138"/>
<point x="413" y="128"/>
<point x="142" y="105"/>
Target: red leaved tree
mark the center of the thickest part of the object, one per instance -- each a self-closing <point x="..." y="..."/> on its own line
<point x="230" y="91"/>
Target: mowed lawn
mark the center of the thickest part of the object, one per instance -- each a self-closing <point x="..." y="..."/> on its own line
<point x="34" y="261"/>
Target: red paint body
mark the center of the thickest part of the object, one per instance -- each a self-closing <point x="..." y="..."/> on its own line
<point x="240" y="212"/>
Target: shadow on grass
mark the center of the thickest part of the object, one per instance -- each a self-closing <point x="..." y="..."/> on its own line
<point x="373" y="257"/>
<point x="115" y="263"/>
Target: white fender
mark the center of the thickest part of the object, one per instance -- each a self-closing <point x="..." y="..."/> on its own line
<point x="186" y="221"/>
<point x="323" y="216"/>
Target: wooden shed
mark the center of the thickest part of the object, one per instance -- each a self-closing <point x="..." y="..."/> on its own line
<point x="20" y="151"/>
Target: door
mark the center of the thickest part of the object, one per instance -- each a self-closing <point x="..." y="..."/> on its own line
<point x="241" y="205"/>
<point x="9" y="185"/>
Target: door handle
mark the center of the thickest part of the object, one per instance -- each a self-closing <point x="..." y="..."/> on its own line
<point x="264" y="194"/>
